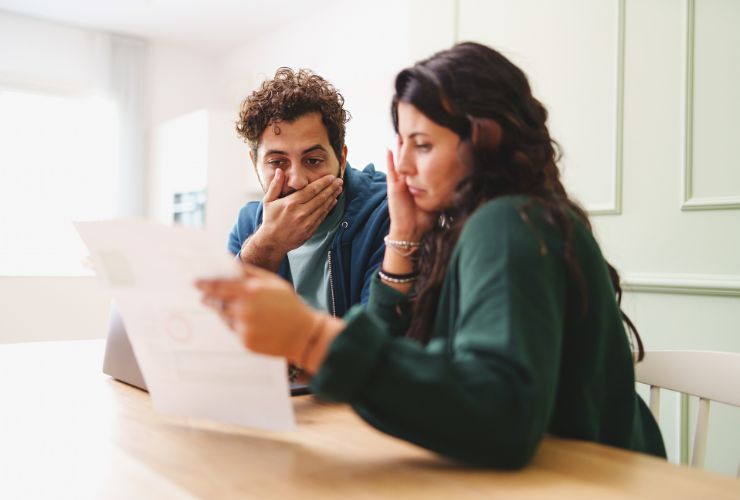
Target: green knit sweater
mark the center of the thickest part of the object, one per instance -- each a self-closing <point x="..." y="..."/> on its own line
<point x="513" y="354"/>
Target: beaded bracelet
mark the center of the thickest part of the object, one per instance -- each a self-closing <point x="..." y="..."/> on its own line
<point x="403" y="248"/>
<point x="399" y="279"/>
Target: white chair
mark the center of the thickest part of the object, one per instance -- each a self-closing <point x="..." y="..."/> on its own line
<point x="711" y="376"/>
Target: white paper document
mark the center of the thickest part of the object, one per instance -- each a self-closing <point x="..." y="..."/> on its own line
<point x="192" y="364"/>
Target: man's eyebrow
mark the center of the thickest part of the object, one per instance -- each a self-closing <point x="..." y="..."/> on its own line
<point x="314" y="148"/>
<point x="275" y="152"/>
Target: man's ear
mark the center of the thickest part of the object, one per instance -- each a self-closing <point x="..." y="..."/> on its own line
<point x="253" y="157"/>
<point x="343" y="162"/>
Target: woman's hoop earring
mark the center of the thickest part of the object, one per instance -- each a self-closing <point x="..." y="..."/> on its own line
<point x="444" y="221"/>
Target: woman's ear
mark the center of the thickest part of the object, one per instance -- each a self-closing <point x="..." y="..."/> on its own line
<point x="485" y="133"/>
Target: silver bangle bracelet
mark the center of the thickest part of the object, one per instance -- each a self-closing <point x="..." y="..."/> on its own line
<point x="405" y="253"/>
<point x="401" y="244"/>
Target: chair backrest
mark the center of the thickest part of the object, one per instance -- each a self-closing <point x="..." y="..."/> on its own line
<point x="709" y="375"/>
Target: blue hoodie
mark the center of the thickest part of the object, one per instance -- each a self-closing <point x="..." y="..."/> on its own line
<point x="357" y="249"/>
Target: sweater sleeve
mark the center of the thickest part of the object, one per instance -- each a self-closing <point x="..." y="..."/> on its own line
<point x="483" y="392"/>
<point x="390" y="307"/>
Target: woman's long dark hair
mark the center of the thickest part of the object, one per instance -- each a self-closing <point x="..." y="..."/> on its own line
<point x="484" y="98"/>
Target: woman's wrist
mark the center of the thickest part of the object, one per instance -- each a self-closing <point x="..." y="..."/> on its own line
<point x="399" y="233"/>
<point x="316" y="345"/>
<point x="396" y="265"/>
<point x="397" y="279"/>
<point x="404" y="248"/>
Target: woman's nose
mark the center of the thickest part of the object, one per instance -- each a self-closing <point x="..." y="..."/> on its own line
<point x="404" y="165"/>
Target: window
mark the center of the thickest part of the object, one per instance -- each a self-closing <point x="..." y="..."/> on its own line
<point x="58" y="163"/>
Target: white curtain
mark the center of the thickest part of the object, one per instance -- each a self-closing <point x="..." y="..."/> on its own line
<point x="127" y="83"/>
<point x="74" y="139"/>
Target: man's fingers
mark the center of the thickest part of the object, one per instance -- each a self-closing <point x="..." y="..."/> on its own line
<point x="330" y="203"/>
<point x="309" y="192"/>
<point x="320" y="213"/>
<point x="332" y="191"/>
<point x="275" y="187"/>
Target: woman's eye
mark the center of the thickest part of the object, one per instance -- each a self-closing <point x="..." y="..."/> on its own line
<point x="423" y="147"/>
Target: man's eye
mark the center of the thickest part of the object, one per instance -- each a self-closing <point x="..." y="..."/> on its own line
<point x="314" y="162"/>
<point x="277" y="162"/>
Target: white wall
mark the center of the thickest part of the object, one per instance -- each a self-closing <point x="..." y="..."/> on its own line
<point x="201" y="151"/>
<point x="358" y="48"/>
<point x="179" y="82"/>
<point x="48" y="55"/>
<point x="617" y="79"/>
<point x="230" y="182"/>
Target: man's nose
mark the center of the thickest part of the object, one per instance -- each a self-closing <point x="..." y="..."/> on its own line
<point x="297" y="178"/>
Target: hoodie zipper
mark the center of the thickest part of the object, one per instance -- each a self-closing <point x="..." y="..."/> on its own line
<point x="343" y="226"/>
<point x="331" y="289"/>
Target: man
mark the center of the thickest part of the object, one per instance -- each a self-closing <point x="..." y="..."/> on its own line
<point x="321" y="223"/>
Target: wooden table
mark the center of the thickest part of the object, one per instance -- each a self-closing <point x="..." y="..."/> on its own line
<point x="68" y="431"/>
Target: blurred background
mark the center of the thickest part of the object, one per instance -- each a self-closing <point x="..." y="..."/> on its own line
<point x="127" y="108"/>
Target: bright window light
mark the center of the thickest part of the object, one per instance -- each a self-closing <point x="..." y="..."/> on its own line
<point x="58" y="164"/>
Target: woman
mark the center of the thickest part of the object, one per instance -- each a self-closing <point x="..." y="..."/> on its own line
<point x="494" y="317"/>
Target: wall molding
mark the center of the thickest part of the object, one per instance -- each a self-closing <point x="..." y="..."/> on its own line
<point x="690" y="202"/>
<point x="616" y="206"/>
<point x="684" y="284"/>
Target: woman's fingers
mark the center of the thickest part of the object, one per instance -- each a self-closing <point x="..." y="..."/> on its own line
<point x="251" y="271"/>
<point x="391" y="166"/>
<point x="217" y="291"/>
<point x="223" y="296"/>
<point x="216" y="304"/>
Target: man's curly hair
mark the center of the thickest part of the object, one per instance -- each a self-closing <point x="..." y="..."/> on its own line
<point x="289" y="96"/>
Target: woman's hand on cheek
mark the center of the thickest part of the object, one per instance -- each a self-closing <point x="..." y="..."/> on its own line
<point x="408" y="222"/>
<point x="263" y="310"/>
